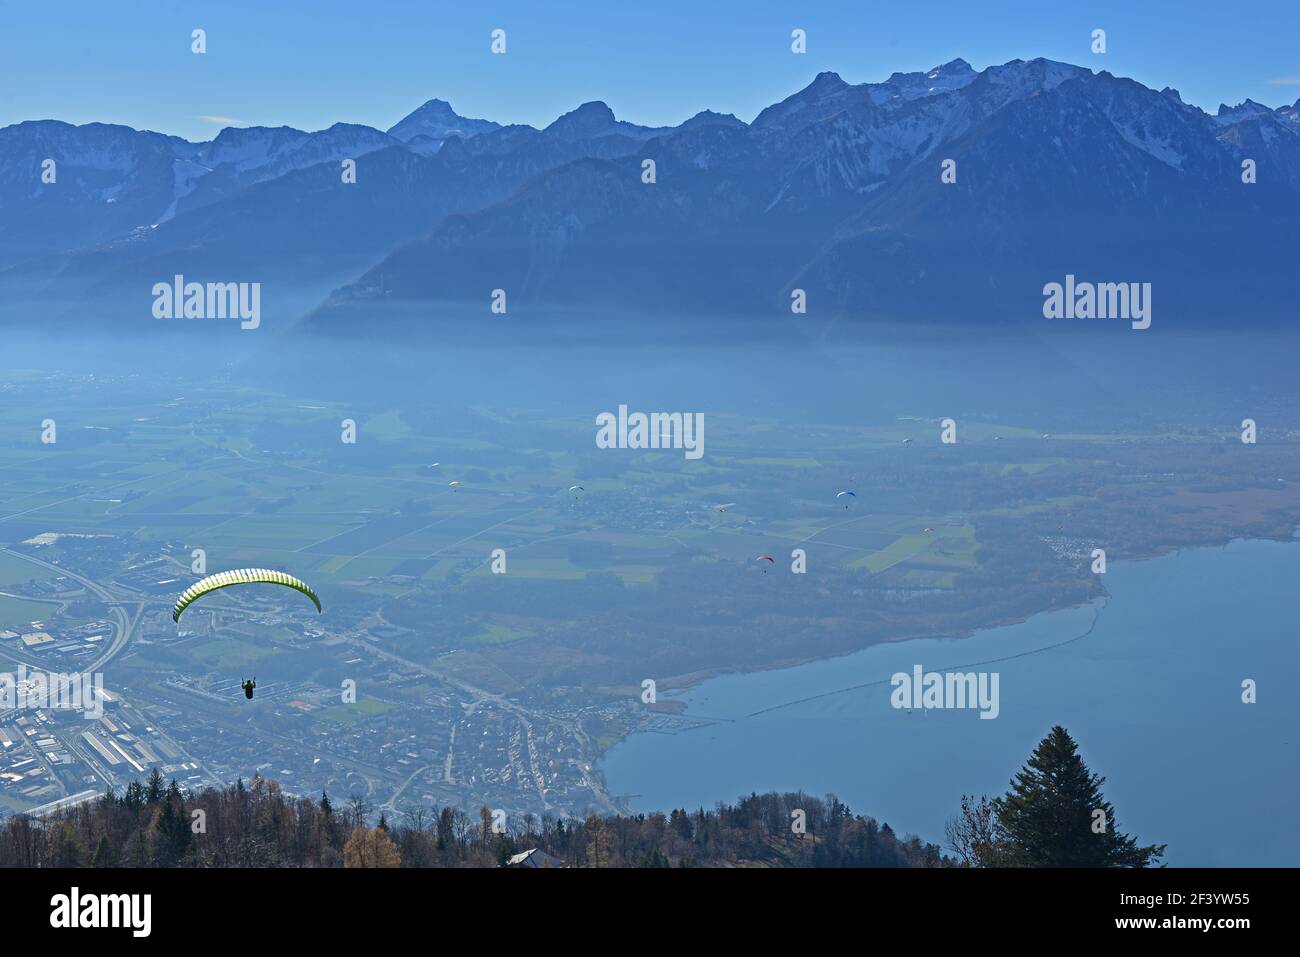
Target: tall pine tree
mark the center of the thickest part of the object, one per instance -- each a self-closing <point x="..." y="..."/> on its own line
<point x="1056" y="816"/>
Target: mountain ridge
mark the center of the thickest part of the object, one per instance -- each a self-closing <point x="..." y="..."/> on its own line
<point x="824" y="187"/>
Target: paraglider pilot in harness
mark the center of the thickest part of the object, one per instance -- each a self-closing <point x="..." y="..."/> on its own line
<point x="240" y="576"/>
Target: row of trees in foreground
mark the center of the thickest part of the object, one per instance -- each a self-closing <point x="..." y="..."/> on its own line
<point x="1053" y="815"/>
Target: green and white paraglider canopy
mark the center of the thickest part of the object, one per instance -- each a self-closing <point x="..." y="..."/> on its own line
<point x="240" y="576"/>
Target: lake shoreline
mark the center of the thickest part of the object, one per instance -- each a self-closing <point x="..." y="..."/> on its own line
<point x="678" y="685"/>
<point x="1153" y="697"/>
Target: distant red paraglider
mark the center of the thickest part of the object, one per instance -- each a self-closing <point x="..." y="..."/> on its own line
<point x="765" y="558"/>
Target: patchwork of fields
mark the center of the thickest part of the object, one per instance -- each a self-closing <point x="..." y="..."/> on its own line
<point x="258" y="481"/>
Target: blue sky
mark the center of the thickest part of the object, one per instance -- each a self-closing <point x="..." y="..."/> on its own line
<point x="308" y="65"/>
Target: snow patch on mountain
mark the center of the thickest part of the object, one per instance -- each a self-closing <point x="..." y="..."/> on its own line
<point x="905" y="87"/>
<point x="186" y="174"/>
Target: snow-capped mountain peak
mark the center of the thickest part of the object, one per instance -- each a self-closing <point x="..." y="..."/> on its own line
<point x="905" y="87"/>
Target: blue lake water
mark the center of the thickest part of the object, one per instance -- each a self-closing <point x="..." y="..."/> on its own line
<point x="1152" y="695"/>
